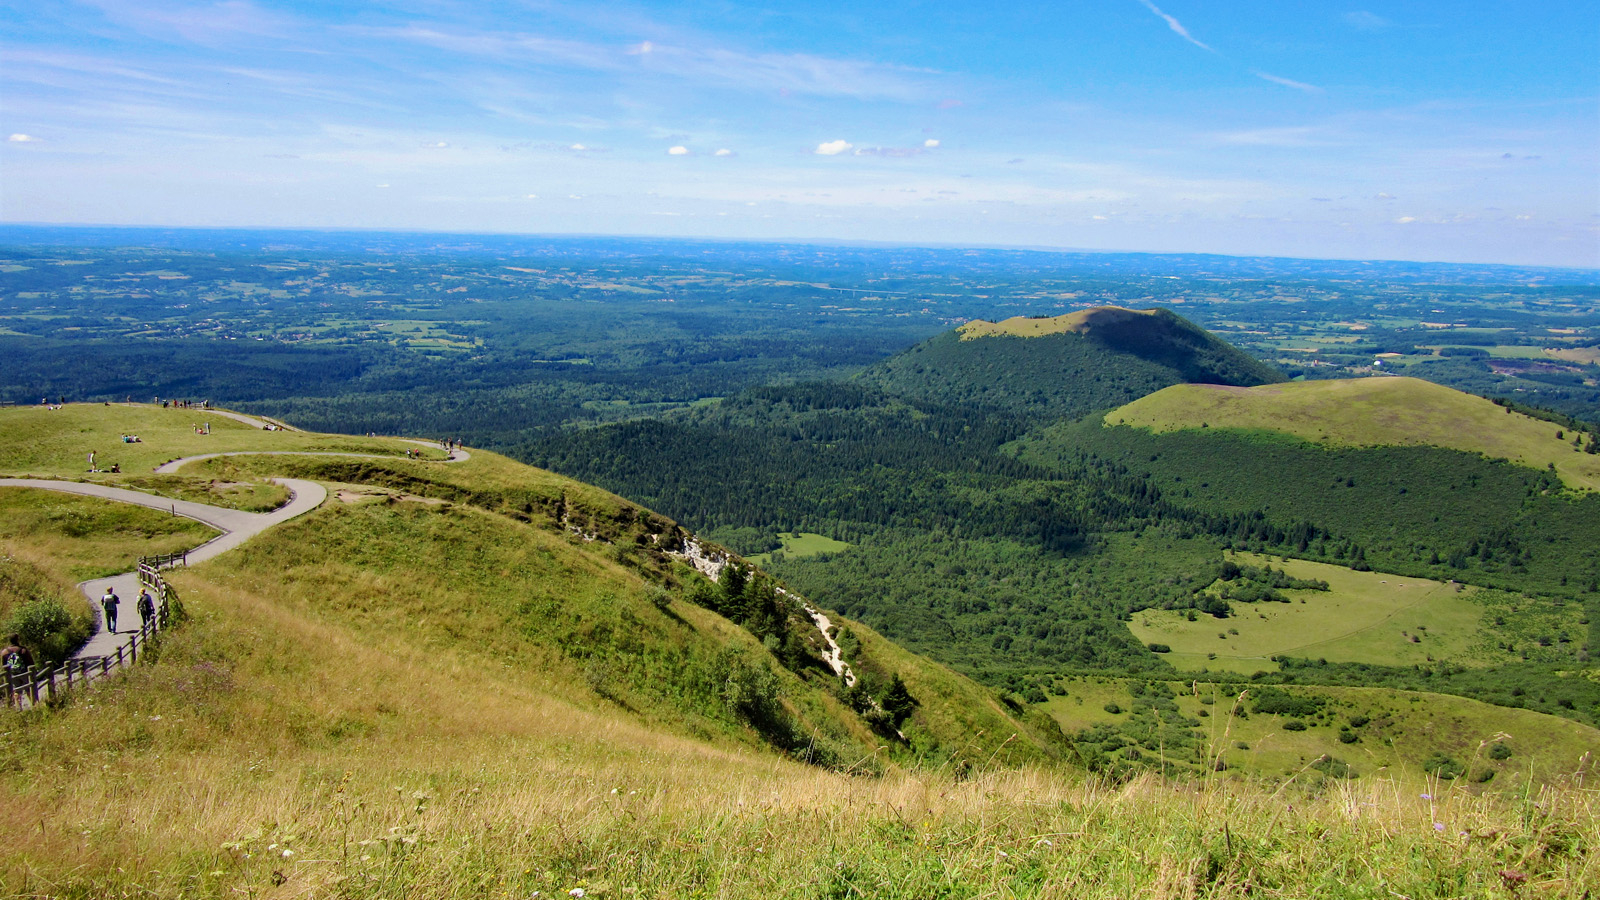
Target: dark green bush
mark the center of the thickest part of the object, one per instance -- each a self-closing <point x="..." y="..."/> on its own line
<point x="49" y="630"/>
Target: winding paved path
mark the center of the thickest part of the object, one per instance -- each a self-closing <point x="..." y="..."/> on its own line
<point x="237" y="526"/>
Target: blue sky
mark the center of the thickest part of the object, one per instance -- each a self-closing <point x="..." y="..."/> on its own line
<point x="1460" y="131"/>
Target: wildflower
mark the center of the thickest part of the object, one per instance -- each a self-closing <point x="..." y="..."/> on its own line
<point x="287" y="853"/>
<point x="1438" y="826"/>
<point x="575" y="892"/>
<point x="1426" y="796"/>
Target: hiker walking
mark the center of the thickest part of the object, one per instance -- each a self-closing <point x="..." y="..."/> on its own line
<point x="146" y="607"/>
<point x="16" y="663"/>
<point x="108" y="604"/>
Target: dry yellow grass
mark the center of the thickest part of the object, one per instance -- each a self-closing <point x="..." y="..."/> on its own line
<point x="222" y="772"/>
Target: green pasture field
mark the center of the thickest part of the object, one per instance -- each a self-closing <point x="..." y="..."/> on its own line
<point x="802" y="544"/>
<point x="76" y="538"/>
<point x="1403" y="728"/>
<point x="1364" y="617"/>
<point x="44" y="443"/>
<point x="1368" y="412"/>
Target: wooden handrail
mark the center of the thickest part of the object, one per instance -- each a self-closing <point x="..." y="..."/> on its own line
<point x="30" y="688"/>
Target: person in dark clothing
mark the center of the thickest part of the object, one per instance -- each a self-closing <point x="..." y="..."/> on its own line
<point x="146" y="607"/>
<point x="108" y="604"/>
<point x="15" y="664"/>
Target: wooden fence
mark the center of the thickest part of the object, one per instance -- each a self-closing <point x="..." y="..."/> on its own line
<point x="37" y="685"/>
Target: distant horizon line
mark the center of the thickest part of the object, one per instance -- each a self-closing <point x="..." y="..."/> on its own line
<point x="773" y="241"/>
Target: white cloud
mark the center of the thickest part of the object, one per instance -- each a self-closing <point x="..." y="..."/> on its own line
<point x="1286" y="82"/>
<point x="931" y="143"/>
<point x="833" y="148"/>
<point x="1175" y="25"/>
<point x="723" y="152"/>
<point x="23" y="139"/>
<point x="679" y="150"/>
<point x="1405" y="220"/>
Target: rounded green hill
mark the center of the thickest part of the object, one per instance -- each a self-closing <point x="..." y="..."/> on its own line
<point x="1369" y="412"/>
<point x="1065" y="366"/>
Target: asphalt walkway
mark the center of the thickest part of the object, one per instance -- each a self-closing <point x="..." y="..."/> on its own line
<point x="237" y="526"/>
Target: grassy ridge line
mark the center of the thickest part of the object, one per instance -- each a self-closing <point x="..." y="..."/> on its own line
<point x="45" y="443"/>
<point x="1367" y="412"/>
<point x="1028" y="326"/>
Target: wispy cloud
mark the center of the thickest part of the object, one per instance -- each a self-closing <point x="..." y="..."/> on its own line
<point x="1288" y="136"/>
<point x="208" y="25"/>
<point x="891" y="152"/>
<point x="797" y="73"/>
<point x="23" y="139"/>
<point x="1286" y="82"/>
<point x="1176" y="26"/>
<point x="1367" y="21"/>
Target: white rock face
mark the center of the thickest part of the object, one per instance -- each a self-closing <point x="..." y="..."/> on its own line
<point x="710" y="563"/>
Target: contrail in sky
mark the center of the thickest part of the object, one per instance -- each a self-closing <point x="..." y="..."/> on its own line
<point x="1175" y="25"/>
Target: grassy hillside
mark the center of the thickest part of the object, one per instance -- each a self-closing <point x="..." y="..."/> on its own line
<point x="482" y="680"/>
<point x="55" y="443"/>
<point x="518" y="564"/>
<point x="1418" y="511"/>
<point x="1066" y="366"/>
<point x="1368" y="412"/>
